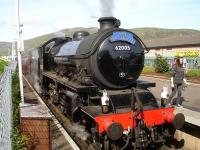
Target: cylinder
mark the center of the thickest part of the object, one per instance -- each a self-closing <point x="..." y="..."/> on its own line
<point x="114" y="130"/>
<point x="177" y="120"/>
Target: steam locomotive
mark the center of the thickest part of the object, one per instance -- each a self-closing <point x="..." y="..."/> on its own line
<point x="93" y="79"/>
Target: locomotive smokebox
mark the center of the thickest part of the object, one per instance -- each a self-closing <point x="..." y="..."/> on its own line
<point x="108" y="22"/>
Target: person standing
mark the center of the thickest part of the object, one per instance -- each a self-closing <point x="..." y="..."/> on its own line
<point x="177" y="79"/>
<point x="185" y="65"/>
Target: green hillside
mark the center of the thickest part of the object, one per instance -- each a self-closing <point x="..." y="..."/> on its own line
<point x="67" y="32"/>
<point x="4" y="46"/>
<point x="158" y="33"/>
<point x="144" y="33"/>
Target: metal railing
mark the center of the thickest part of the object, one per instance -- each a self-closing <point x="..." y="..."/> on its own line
<point x="6" y="107"/>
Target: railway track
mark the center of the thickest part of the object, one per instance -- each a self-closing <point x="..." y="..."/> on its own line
<point x="69" y="127"/>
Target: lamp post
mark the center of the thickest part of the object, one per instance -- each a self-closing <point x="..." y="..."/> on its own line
<point x="20" y="48"/>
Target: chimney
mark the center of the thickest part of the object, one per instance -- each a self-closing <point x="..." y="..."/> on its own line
<point x="108" y="23"/>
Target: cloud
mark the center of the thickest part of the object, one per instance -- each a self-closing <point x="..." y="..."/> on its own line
<point x="31" y="19"/>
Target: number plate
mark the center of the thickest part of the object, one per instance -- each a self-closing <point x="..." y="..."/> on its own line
<point x="122" y="48"/>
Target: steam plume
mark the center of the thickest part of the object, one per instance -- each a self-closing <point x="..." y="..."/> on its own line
<point x="106" y="8"/>
<point x="59" y="34"/>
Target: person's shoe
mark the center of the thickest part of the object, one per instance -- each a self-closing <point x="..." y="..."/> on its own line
<point x="180" y="106"/>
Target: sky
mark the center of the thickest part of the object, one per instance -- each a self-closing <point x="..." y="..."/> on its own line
<point x="40" y="17"/>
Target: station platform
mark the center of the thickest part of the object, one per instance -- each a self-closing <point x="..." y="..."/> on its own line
<point x="189" y="135"/>
<point x="42" y="119"/>
<point x="190" y="96"/>
<point x="192" y="117"/>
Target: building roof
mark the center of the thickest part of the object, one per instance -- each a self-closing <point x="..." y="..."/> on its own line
<point x="182" y="41"/>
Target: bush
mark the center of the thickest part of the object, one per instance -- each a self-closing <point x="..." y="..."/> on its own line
<point x="160" y="64"/>
<point x="3" y="63"/>
<point x="19" y="141"/>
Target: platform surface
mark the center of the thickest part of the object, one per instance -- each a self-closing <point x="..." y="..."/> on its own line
<point x="192" y="117"/>
<point x="33" y="107"/>
<point x="35" y="111"/>
<point x="191" y="98"/>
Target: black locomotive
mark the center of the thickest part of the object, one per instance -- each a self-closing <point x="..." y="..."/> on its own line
<point x="93" y="80"/>
<point x="111" y="58"/>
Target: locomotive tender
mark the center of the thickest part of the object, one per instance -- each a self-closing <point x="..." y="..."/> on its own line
<point x="92" y="79"/>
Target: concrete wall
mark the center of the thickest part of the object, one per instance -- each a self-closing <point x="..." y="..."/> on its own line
<point x="190" y="137"/>
<point x="38" y="130"/>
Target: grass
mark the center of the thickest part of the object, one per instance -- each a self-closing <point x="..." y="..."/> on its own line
<point x="193" y="73"/>
<point x="148" y="69"/>
<point x="19" y="140"/>
<point x="3" y="63"/>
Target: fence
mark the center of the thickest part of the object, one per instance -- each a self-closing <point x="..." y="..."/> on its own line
<point x="6" y="107"/>
<point x="193" y="63"/>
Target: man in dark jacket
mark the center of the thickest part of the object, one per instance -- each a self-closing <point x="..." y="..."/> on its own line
<point x="177" y="79"/>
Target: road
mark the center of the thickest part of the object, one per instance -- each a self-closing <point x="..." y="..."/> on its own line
<point x="191" y="94"/>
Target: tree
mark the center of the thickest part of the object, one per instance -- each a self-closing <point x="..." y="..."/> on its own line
<point x="160" y="64"/>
